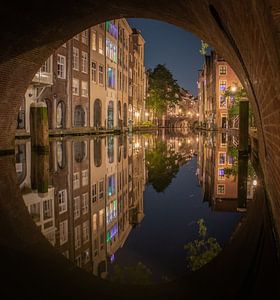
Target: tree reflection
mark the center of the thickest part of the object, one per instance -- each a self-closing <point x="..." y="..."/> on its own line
<point x="162" y="165"/>
<point x="202" y="250"/>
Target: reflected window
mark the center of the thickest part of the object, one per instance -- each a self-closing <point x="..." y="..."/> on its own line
<point x="110" y="115"/>
<point x="63" y="232"/>
<point x="60" y="115"/>
<point x="110" y="149"/>
<point x="60" y="154"/>
<point x="79" y="151"/>
<point x="101" y="189"/>
<point x="119" y="149"/>
<point x="21" y="162"/>
<point x="47" y="209"/>
<point x="97" y="113"/>
<point x="111" y="185"/>
<point x="125" y="148"/>
<point x="125" y="115"/>
<point x="97" y="152"/>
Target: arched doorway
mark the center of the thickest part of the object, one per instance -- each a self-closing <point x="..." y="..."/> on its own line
<point x="60" y="115"/>
<point x="79" y="116"/>
<point x="110" y="115"/>
<point x="97" y="113"/>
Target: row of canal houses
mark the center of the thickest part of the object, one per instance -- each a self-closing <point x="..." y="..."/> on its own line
<point x="95" y="80"/>
<point x="85" y="195"/>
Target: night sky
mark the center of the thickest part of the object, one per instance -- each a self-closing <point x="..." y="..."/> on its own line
<point x="173" y="46"/>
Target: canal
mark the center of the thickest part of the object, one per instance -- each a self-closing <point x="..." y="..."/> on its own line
<point x="140" y="208"/>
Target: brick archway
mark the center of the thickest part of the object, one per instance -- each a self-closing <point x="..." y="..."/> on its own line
<point x="246" y="33"/>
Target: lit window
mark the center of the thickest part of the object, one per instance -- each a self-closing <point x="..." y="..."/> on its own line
<point x="62" y="201"/>
<point x="75" y="86"/>
<point x="221" y="174"/>
<point x="223" y="85"/>
<point x="101" y="217"/>
<point x="94" y="222"/>
<point x="93" y="72"/>
<point x="84" y="62"/>
<point x="111" y="78"/>
<point x="84" y="88"/>
<point x="75" y="58"/>
<point x="221" y="189"/>
<point x="93" y="41"/>
<point x="223" y="70"/>
<point x="77" y="37"/>
<point x="100" y="44"/>
<point x="61" y="66"/>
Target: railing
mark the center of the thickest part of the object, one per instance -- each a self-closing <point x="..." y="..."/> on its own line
<point x="43" y="77"/>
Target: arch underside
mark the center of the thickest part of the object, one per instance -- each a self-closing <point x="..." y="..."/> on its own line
<point x="246" y="33"/>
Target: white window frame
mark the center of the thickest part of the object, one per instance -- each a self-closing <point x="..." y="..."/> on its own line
<point x="85" y="204"/>
<point x="62" y="201"/>
<point x="85" y="37"/>
<point x="84" y="62"/>
<point x="61" y="66"/>
<point x="100" y="45"/>
<point x="93" y="40"/>
<point x="77" y="207"/>
<point x="76" y="180"/>
<point x="221" y="185"/>
<point x="84" y="88"/>
<point x="77" y="234"/>
<point x="94" y="71"/>
<point x="85" y="177"/>
<point x="76" y="86"/>
<point x="63" y="232"/>
<point x="94" y="193"/>
<point x="76" y="57"/>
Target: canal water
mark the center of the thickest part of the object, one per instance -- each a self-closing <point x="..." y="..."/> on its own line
<point x="140" y="208"/>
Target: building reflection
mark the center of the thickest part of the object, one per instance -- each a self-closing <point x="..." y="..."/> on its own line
<point x="218" y="171"/>
<point x="86" y="195"/>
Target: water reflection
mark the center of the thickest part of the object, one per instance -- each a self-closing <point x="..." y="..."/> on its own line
<point x="88" y="195"/>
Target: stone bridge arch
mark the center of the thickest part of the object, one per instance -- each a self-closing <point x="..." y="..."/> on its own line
<point x="246" y="33"/>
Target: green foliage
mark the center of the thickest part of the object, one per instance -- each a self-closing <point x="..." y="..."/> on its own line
<point x="203" y="49"/>
<point x="162" y="166"/>
<point x="163" y="90"/>
<point x="202" y="250"/>
<point x="138" y="274"/>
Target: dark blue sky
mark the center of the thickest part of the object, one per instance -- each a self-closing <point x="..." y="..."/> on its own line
<point x="175" y="47"/>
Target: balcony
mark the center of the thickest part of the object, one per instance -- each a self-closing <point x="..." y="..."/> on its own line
<point x="45" y="74"/>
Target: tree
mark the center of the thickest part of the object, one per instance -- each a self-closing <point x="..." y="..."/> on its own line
<point x="163" y="90"/>
<point x="162" y="166"/>
<point x="202" y="250"/>
<point x="204" y="47"/>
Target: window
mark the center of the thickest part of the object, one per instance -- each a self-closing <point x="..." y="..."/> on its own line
<point x="93" y="41"/>
<point x="223" y="70"/>
<point x="86" y="256"/>
<point x="76" y="180"/>
<point x="84" y="62"/>
<point x="221" y="174"/>
<point x="85" y="232"/>
<point x="85" y="203"/>
<point x="61" y="66"/>
<point x="77" y="37"/>
<point x="223" y="101"/>
<point x="78" y="261"/>
<point x="101" y="189"/>
<point x="35" y="211"/>
<point x="84" y="177"/>
<point x="222" y="158"/>
<point x="47" y="209"/>
<point x="101" y="75"/>
<point x="94" y="193"/>
<point x="75" y="58"/>
<point x="77" y="236"/>
<point x="77" y="207"/>
<point x="223" y="85"/>
<point x="230" y="160"/>
<point x="111" y="78"/>
<point x="62" y="201"/>
<point x="93" y="72"/>
<point x="75" y="86"/>
<point x="84" y="88"/>
<point x="111" y="185"/>
<point x="223" y="139"/>
<point x="100" y="45"/>
<point x="85" y="37"/>
<point x="221" y="189"/>
<point x="63" y="232"/>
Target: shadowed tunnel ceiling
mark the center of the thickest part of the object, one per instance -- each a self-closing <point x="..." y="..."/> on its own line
<point x="246" y="33"/>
